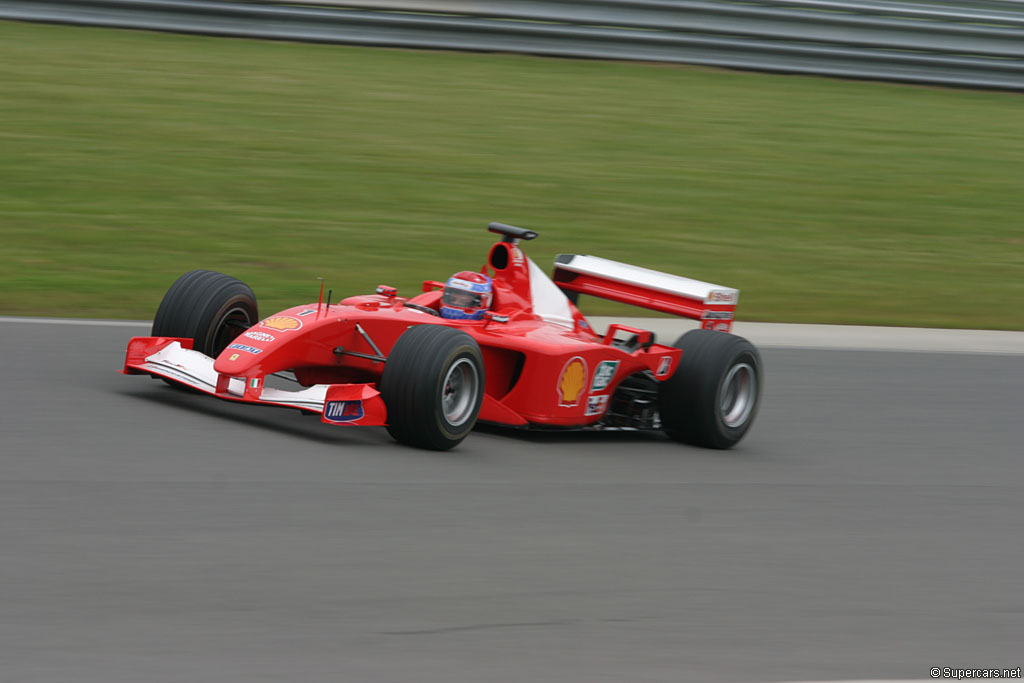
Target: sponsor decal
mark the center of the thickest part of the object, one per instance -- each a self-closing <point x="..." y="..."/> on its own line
<point x="308" y="311"/>
<point x="584" y="324"/>
<point x="254" y="383"/>
<point x="343" y="411"/>
<point x="603" y="374"/>
<point x="721" y="297"/>
<point x="284" y="323"/>
<point x="572" y="382"/>
<point x="717" y="315"/>
<point x="596" y="405"/>
<point x="721" y="327"/>
<point x="234" y="356"/>
<point x="247" y="349"/>
<point x="466" y="284"/>
<point x="664" y="365"/>
<point x="260" y="336"/>
<point x="517" y="256"/>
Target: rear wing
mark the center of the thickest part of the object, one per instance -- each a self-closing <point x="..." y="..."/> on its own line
<point x="713" y="305"/>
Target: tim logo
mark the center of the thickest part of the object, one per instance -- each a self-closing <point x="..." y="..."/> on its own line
<point x="343" y="411"/>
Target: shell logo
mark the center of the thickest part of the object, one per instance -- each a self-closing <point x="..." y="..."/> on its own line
<point x="571" y="382"/>
<point x="283" y="323"/>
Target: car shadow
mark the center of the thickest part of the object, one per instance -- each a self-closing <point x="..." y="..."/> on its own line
<point x="303" y="425"/>
<point x="571" y="436"/>
<point x="288" y="421"/>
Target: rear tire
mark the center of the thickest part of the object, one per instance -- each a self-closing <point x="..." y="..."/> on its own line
<point x="433" y="385"/>
<point x="207" y="307"/>
<point x="713" y="397"/>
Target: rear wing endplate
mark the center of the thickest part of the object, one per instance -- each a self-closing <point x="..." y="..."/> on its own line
<point x="713" y="305"/>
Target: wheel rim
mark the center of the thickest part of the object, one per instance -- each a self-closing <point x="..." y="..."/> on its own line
<point x="459" y="391"/>
<point x="235" y="321"/>
<point x="739" y="391"/>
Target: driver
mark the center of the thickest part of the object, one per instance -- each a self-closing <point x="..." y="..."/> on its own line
<point x="467" y="296"/>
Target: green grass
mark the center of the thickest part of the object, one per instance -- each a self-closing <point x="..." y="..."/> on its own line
<point x="127" y="158"/>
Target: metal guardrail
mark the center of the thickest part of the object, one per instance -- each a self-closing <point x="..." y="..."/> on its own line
<point x="979" y="45"/>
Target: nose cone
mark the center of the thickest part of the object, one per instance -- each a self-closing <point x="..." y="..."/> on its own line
<point x="239" y="357"/>
<point x="250" y="350"/>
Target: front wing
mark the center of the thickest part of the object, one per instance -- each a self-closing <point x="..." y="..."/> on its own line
<point x="173" y="359"/>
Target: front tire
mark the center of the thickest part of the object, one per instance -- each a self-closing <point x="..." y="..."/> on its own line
<point x="433" y="385"/>
<point x="207" y="307"/>
<point x="713" y="397"/>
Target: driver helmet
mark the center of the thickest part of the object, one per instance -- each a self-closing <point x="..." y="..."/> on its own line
<point x="467" y="296"/>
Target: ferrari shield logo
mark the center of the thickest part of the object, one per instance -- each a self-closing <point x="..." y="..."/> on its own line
<point x="571" y="382"/>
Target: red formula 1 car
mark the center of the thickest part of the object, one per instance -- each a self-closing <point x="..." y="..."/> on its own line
<point x="430" y="366"/>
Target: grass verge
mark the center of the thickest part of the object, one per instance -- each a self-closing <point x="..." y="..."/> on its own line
<point x="127" y="158"/>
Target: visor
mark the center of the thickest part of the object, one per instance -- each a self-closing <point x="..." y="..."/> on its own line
<point x="460" y="298"/>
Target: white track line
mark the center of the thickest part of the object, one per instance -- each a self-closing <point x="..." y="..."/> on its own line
<point x="76" y="321"/>
<point x="768" y="335"/>
<point x="851" y="337"/>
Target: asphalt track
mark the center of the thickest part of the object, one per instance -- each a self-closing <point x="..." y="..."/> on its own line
<point x="869" y="527"/>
